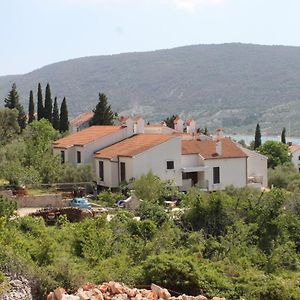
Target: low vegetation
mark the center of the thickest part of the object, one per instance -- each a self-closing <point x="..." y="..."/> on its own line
<point x="236" y="244"/>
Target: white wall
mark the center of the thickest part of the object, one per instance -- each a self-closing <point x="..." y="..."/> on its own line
<point x="295" y="159"/>
<point x="257" y="165"/>
<point x="155" y="159"/>
<point x="191" y="160"/>
<point x="233" y="171"/>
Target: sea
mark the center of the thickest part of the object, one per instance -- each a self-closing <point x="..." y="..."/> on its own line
<point x="249" y="138"/>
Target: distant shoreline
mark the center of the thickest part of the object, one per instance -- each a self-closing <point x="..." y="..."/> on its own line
<point x="249" y="138"/>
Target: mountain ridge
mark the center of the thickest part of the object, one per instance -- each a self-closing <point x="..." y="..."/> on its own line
<point x="231" y="85"/>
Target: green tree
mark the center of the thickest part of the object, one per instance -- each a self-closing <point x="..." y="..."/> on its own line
<point x="103" y="114"/>
<point x="48" y="104"/>
<point x="257" y="139"/>
<point x="55" y="115"/>
<point x="170" y="121"/>
<point x="9" y="125"/>
<point x="31" y="116"/>
<point x="276" y="152"/>
<point x="205" y="131"/>
<point x="38" y="141"/>
<point x="150" y="188"/>
<point x="12" y="101"/>
<point x="283" y="138"/>
<point x="64" y="118"/>
<point x="40" y="103"/>
<point x="7" y="208"/>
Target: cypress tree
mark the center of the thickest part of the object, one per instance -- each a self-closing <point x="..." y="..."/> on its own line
<point x="64" y="119"/>
<point x="40" y="103"/>
<point x="257" y="139"/>
<point x="103" y="114"/>
<point x="31" y="116"/>
<point x="12" y="102"/>
<point x="55" y="115"/>
<point x="48" y="104"/>
<point x="283" y="139"/>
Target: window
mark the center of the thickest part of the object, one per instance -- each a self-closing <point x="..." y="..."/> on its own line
<point x="216" y="175"/>
<point x="78" y="157"/>
<point x="62" y="157"/>
<point x="123" y="171"/>
<point x="101" y="171"/>
<point x="170" y="165"/>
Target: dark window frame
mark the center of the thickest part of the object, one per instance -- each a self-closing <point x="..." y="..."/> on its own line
<point x="216" y="175"/>
<point x="78" y="156"/>
<point x="122" y="171"/>
<point x="170" y="165"/>
<point x="101" y="170"/>
<point x="62" y="156"/>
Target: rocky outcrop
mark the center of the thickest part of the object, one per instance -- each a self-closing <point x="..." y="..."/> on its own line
<point x="18" y="288"/>
<point x="118" y="291"/>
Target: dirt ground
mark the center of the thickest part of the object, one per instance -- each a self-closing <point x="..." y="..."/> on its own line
<point x="22" y="212"/>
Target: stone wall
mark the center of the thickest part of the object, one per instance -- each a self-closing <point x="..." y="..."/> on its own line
<point x="50" y="200"/>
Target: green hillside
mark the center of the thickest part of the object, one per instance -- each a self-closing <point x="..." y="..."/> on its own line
<point x="232" y="86"/>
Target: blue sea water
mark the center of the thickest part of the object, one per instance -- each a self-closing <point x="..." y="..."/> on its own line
<point x="249" y="138"/>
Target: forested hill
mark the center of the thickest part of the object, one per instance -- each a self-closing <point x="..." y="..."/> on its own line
<point x="233" y="86"/>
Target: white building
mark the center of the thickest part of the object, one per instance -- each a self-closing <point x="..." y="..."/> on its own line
<point x="79" y="148"/>
<point x="121" y="153"/>
<point x="295" y="152"/>
<point x="213" y="164"/>
<point x="257" y="169"/>
<point x="138" y="155"/>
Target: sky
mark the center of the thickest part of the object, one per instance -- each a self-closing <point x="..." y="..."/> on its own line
<point x="34" y="33"/>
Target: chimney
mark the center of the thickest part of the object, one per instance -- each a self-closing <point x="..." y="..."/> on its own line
<point x="178" y="124"/>
<point x="191" y="126"/>
<point x="219" y="148"/>
<point x="139" y="125"/>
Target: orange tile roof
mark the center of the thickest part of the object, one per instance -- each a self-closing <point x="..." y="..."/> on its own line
<point x="294" y="148"/>
<point x="82" y="118"/>
<point x="85" y="136"/>
<point x="156" y="125"/>
<point x="207" y="149"/>
<point x="133" y="145"/>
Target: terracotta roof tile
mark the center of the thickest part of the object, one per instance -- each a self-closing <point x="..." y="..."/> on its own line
<point x="207" y="149"/>
<point x="294" y="148"/>
<point x="82" y="118"/>
<point x="85" y="136"/>
<point x="134" y="145"/>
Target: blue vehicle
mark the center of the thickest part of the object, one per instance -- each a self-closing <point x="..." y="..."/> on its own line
<point x="80" y="203"/>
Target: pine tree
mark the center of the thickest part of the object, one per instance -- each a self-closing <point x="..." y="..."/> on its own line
<point x="31" y="116"/>
<point x="170" y="121"/>
<point x="283" y="139"/>
<point x="55" y="115"/>
<point x="40" y="103"/>
<point x="48" y="104"/>
<point x="257" y="139"/>
<point x="103" y="114"/>
<point x="12" y="99"/>
<point x="12" y="102"/>
<point x="206" y="131"/>
<point x="64" y="119"/>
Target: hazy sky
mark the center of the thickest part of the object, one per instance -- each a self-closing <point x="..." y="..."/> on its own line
<point x="34" y="33"/>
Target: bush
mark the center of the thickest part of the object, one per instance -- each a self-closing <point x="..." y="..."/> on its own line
<point x="108" y="198"/>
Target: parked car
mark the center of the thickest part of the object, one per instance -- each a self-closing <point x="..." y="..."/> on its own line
<point x="81" y="203"/>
